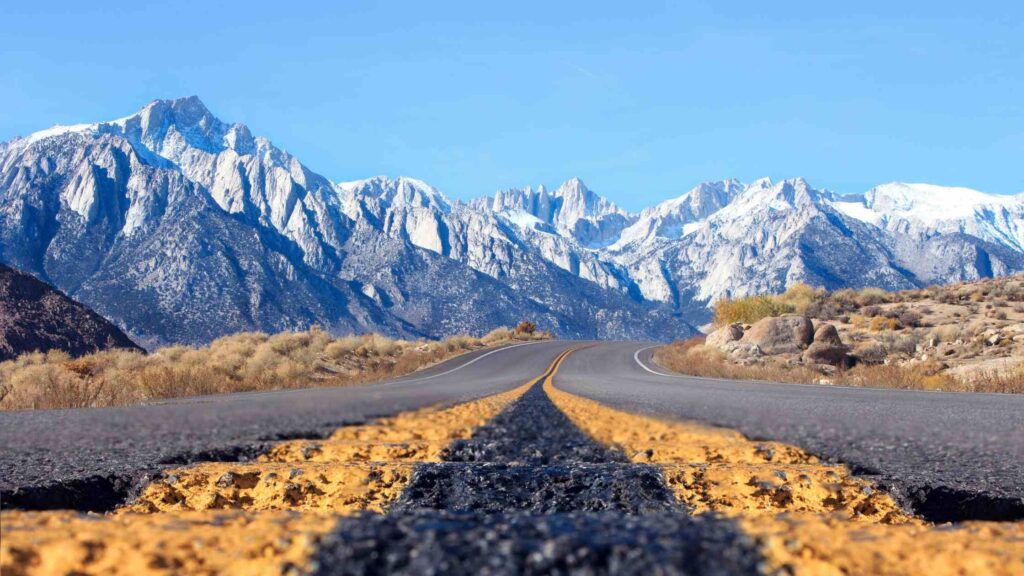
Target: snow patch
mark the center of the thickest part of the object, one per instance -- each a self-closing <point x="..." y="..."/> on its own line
<point x="522" y="218"/>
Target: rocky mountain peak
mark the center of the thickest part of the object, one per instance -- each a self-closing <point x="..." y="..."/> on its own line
<point x="170" y="202"/>
<point x="402" y="191"/>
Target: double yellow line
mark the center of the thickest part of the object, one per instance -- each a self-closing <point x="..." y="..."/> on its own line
<point x="248" y="517"/>
<point x="808" y="517"/>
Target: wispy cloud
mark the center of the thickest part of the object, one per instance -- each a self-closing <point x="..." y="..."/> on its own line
<point x="586" y="72"/>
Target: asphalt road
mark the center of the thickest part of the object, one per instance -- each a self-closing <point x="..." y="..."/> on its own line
<point x="951" y="456"/>
<point x="92" y="458"/>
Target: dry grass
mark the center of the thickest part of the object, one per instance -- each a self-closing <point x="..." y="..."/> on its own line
<point x="748" y="310"/>
<point x="693" y="358"/>
<point x="242" y="362"/>
<point x="798" y="299"/>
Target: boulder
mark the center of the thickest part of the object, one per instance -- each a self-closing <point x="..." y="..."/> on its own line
<point x="789" y="334"/>
<point x="833" y="355"/>
<point x="743" y="351"/>
<point x="827" y="334"/>
<point x="723" y="336"/>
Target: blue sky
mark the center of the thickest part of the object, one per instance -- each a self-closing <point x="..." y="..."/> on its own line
<point x="640" y="99"/>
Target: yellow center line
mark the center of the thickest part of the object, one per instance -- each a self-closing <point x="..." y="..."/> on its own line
<point x="262" y="517"/>
<point x="807" y="516"/>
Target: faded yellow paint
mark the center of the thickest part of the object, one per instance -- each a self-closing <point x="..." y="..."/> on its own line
<point x="415" y="436"/>
<point x="326" y="487"/>
<point x="263" y="517"/>
<point x="715" y="469"/>
<point x="202" y="543"/>
<point x="766" y="488"/>
<point x="808" y="518"/>
<point x="810" y="545"/>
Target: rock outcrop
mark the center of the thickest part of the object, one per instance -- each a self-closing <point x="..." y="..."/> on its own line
<point x="36" y="317"/>
<point x="828" y="348"/>
<point x="724" y="336"/>
<point x="789" y="334"/>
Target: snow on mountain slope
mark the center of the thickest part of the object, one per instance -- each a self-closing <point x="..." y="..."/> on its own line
<point x="676" y="217"/>
<point x="572" y="210"/>
<point x="927" y="210"/>
<point x="181" y="227"/>
<point x="765" y="237"/>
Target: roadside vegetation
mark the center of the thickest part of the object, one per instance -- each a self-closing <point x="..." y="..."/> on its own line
<point x="248" y="361"/>
<point x="962" y="337"/>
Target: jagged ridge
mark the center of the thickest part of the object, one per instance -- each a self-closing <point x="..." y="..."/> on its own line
<point x="183" y="227"/>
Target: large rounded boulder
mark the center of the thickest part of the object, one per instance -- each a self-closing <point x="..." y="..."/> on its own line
<point x="827" y="334"/>
<point x="724" y="336"/>
<point x="828" y="348"/>
<point x="789" y="334"/>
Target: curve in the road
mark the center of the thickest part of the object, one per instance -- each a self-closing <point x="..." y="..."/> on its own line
<point x="952" y="456"/>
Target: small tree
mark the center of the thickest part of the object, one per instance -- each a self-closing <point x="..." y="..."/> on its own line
<point x="526" y="327"/>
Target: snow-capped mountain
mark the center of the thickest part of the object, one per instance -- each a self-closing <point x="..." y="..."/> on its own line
<point x="926" y="210"/>
<point x="181" y="227"/>
<point x="571" y="210"/>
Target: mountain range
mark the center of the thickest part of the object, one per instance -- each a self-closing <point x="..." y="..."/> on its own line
<point x="180" y="228"/>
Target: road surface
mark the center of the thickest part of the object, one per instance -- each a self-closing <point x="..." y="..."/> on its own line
<point x="952" y="456"/>
<point x="550" y="457"/>
<point x="89" y="459"/>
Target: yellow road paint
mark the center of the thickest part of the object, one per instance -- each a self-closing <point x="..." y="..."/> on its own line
<point x="267" y="516"/>
<point x="751" y="489"/>
<point x="415" y="436"/>
<point x="806" y="545"/>
<point x="715" y="469"/>
<point x="262" y="517"/>
<point x="202" y="543"/>
<point x="807" y="517"/>
<point x="327" y="487"/>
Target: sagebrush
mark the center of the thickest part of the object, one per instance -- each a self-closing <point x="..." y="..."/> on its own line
<point x="247" y="361"/>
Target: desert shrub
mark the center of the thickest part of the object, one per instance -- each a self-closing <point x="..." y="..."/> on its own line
<point x="50" y="386"/>
<point x="239" y="362"/>
<point x="893" y="376"/>
<point x="910" y="319"/>
<point x="748" y="310"/>
<point x="1007" y="381"/>
<point x="870" y="352"/>
<point x="945" y="333"/>
<point x="800" y="297"/>
<point x="904" y="344"/>
<point x="826" y="309"/>
<point x="342" y="347"/>
<point x="871" y="311"/>
<point x="880" y="323"/>
<point x="497" y="335"/>
<point x="526" y="327"/>
<point x="869" y="296"/>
